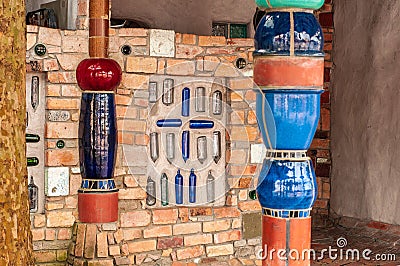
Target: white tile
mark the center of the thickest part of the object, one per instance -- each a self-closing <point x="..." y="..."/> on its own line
<point x="57" y="181"/>
<point x="162" y="43"/>
<point x="258" y="152"/>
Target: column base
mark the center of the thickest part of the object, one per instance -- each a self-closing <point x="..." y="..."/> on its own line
<point x="98" y="207"/>
<point x="284" y="241"/>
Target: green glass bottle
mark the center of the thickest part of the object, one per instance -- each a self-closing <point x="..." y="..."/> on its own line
<point x="32" y="161"/>
<point x="253" y="194"/>
<point x="32" y="138"/>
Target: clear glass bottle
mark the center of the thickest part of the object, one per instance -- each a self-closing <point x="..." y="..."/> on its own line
<point x="217" y="103"/>
<point x="168" y="92"/>
<point x="151" y="192"/>
<point x="170" y="147"/>
<point x="216" y="146"/>
<point x="200" y="103"/>
<point x="210" y="186"/>
<point x="202" y="149"/>
<point x="154" y="146"/>
<point x="164" y="189"/>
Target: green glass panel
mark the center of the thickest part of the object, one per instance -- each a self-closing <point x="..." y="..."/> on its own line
<point x="238" y="31"/>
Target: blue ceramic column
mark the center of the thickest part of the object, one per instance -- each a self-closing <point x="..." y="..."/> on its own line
<point x="98" y="77"/>
<point x="288" y="69"/>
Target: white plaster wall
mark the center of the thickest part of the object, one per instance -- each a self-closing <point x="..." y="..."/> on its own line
<point x="366" y="110"/>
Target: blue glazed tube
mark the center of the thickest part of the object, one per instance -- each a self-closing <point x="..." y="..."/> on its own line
<point x="185" y="102"/>
<point x="179" y="187"/>
<point x="169" y="123"/>
<point x="192" y="186"/>
<point x="98" y="135"/>
<point x="198" y="124"/>
<point x="185" y="145"/>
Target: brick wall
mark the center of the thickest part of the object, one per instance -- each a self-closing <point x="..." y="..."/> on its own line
<point x="144" y="235"/>
<point x="320" y="147"/>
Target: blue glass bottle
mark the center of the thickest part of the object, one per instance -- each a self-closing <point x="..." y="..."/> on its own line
<point x="199" y="124"/>
<point x="174" y="122"/>
<point x="185" y="145"/>
<point x="179" y="188"/>
<point x="185" y="102"/>
<point x="192" y="186"/>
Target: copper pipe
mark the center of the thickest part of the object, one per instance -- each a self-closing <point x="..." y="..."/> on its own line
<point x="98" y="28"/>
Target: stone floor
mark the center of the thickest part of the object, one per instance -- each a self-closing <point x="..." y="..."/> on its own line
<point x="382" y="240"/>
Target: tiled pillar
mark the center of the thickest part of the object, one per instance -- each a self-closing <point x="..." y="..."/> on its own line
<point x="288" y="69"/>
<point x="98" y="77"/>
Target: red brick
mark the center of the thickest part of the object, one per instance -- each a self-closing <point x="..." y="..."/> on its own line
<point x="174" y="242"/>
<point x="212" y="41"/>
<point x="246" y="206"/>
<point x="226" y="212"/>
<point x="90" y="241"/>
<point x="187" y="228"/>
<point x="142" y="246"/>
<point x="64" y="234"/>
<point x="62" y="157"/>
<point x="184" y="214"/>
<point x="140" y="64"/>
<point x="189" y="253"/>
<point x="135" y="219"/>
<point x="166" y="216"/>
<point x="64" y="130"/>
<point x="189" y="39"/>
<point x="80" y="240"/>
<point x="195" y="240"/>
<point x="241" y="84"/>
<point x="137" y="193"/>
<point x="326" y="19"/>
<point x="130" y="181"/>
<point x="63" y="104"/>
<point x="125" y="138"/>
<point x="227" y="236"/>
<point x="244" y="133"/>
<point x="217" y="225"/>
<point x="201" y="211"/>
<point x="37" y="234"/>
<point x="188" y="51"/>
<point x="45" y="256"/>
<point x="158" y="231"/>
<point x="61" y="77"/>
<point x="102" y="245"/>
<point x="221" y="250"/>
<point x="131" y="234"/>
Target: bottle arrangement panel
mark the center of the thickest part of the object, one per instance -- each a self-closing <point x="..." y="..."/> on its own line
<point x="186" y="128"/>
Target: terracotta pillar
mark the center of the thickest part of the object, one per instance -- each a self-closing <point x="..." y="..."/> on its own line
<point x="98" y="77"/>
<point x="288" y="69"/>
